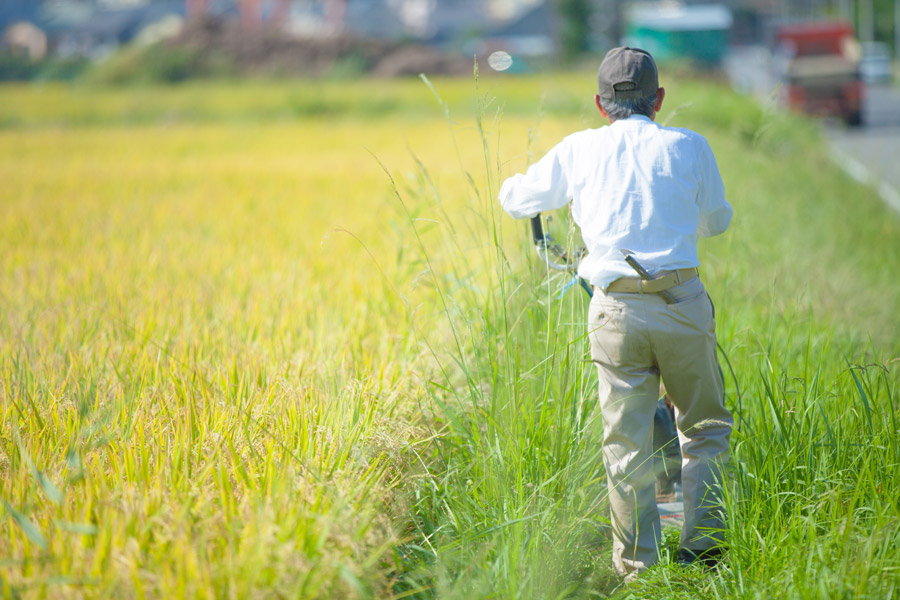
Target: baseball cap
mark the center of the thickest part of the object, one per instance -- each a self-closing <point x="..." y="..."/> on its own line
<point x="627" y="73"/>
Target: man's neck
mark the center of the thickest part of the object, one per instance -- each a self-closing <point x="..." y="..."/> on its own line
<point x="652" y="117"/>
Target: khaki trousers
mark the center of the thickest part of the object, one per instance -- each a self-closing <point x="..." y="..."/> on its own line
<point x="636" y="339"/>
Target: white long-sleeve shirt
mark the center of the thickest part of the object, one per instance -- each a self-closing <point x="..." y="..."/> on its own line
<point x="633" y="185"/>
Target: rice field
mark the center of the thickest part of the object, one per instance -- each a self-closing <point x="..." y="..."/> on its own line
<point x="263" y="340"/>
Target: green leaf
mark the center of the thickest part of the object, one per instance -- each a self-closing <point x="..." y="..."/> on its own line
<point x="30" y="530"/>
<point x="82" y="528"/>
<point x="52" y="492"/>
<point x="75" y="466"/>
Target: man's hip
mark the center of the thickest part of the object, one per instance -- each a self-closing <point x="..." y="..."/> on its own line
<point x="660" y="283"/>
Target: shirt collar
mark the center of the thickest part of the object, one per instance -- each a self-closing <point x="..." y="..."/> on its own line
<point x="634" y="119"/>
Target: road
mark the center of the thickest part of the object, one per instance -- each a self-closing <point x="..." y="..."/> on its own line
<point x="870" y="153"/>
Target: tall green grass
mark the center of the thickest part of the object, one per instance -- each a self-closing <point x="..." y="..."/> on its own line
<point x="512" y="504"/>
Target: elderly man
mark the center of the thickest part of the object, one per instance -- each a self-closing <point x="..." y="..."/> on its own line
<point x="647" y="191"/>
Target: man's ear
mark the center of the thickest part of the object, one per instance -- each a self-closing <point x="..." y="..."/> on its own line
<point x="660" y="96"/>
<point x="600" y="106"/>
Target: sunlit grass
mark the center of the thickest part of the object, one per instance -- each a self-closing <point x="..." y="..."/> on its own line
<point x="278" y="340"/>
<point x="206" y="347"/>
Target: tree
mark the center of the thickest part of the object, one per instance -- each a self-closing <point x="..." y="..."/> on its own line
<point x="575" y="28"/>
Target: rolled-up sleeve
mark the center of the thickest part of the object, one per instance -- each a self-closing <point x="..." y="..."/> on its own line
<point x="715" y="212"/>
<point x="542" y="187"/>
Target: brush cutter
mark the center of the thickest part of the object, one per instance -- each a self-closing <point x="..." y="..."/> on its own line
<point x="556" y="258"/>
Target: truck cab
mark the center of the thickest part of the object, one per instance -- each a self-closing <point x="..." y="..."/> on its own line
<point x="818" y="65"/>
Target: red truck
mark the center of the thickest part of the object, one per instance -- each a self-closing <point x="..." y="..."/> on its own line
<point x="818" y="64"/>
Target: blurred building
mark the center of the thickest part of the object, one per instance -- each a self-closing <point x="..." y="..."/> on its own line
<point x="522" y="38"/>
<point x="426" y="20"/>
<point x="88" y="28"/>
<point x="525" y="28"/>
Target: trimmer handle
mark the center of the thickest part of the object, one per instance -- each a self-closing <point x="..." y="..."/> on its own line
<point x="537" y="230"/>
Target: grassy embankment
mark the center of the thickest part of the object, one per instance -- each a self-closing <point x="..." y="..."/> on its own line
<point x="221" y="328"/>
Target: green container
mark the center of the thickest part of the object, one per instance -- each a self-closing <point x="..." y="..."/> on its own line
<point x="697" y="32"/>
<point x="707" y="46"/>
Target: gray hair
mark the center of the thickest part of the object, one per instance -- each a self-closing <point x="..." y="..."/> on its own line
<point x="624" y="108"/>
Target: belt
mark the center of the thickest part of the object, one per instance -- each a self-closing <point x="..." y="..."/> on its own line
<point x="660" y="283"/>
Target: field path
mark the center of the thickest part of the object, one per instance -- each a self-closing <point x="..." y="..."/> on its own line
<point x="671" y="514"/>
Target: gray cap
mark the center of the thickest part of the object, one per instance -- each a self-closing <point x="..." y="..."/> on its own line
<point x="627" y="73"/>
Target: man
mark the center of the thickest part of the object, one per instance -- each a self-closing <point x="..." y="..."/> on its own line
<point x="649" y="190"/>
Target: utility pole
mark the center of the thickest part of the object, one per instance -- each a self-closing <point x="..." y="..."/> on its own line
<point x="897" y="29"/>
<point x="282" y="11"/>
<point x="195" y="9"/>
<point x="866" y="20"/>
<point x="607" y="21"/>
<point x="251" y="13"/>
<point x="847" y="10"/>
<point x="618" y="18"/>
<point x="335" y="12"/>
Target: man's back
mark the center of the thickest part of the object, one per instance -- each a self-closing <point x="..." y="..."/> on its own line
<point x="634" y="185"/>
